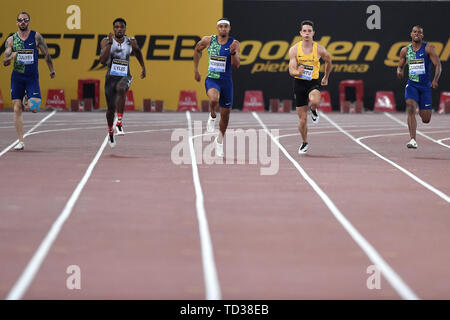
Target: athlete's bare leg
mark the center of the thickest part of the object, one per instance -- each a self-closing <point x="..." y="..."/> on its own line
<point x="411" y="106"/>
<point x="314" y="99"/>
<point x="302" y="113"/>
<point x="213" y="95"/>
<point x="18" y="119"/>
<point x="425" y="114"/>
<point x="223" y="125"/>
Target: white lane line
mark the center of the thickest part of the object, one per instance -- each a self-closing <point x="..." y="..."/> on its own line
<point x="409" y="174"/>
<point x="392" y="277"/>
<point x="365" y="137"/>
<point x="27" y="133"/>
<point x="443" y="139"/>
<point x="212" y="285"/>
<point x="417" y="131"/>
<point x="27" y="276"/>
<point x="395" y="134"/>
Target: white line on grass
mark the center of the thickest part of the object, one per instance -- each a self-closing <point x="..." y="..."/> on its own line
<point x="392" y="277"/>
<point x="27" y="133"/>
<point x="409" y="174"/>
<point x="209" y="267"/>
<point x="27" y="276"/>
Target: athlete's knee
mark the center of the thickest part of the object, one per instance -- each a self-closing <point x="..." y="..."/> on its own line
<point x="214" y="101"/>
<point x="426" y="118"/>
<point x="314" y="101"/>
<point x="302" y="122"/>
<point x="34" y="104"/>
<point x="410" y="107"/>
<point x="17" y="106"/>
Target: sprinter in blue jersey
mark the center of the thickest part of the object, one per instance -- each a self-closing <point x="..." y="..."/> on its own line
<point x="419" y="55"/>
<point x="22" y="49"/>
<point x="224" y="53"/>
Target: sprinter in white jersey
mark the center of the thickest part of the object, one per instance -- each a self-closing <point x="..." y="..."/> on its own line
<point x="115" y="54"/>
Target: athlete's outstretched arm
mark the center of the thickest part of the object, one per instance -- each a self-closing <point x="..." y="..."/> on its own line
<point x="235" y="51"/>
<point x="105" y="48"/>
<point x="199" y="47"/>
<point x="9" y="54"/>
<point x="401" y="63"/>
<point x="429" y="49"/>
<point x="323" y="53"/>
<point x="44" y="49"/>
<point x="294" y="69"/>
<point x="138" y="53"/>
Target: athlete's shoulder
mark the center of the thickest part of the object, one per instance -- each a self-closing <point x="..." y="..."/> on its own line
<point x="404" y="50"/>
<point x="293" y="50"/>
<point x="428" y="45"/>
<point x="294" y="47"/>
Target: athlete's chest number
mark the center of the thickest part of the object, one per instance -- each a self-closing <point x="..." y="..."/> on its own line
<point x="416" y="67"/>
<point x="119" y="68"/>
<point x="217" y="63"/>
<point x="307" y="72"/>
<point x="25" y="56"/>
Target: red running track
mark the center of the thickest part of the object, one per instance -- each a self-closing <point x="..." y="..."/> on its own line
<point x="134" y="230"/>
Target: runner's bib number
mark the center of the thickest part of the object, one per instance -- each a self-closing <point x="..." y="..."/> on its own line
<point x="119" y="68"/>
<point x="217" y="63"/>
<point x="307" y="72"/>
<point x="416" y="67"/>
<point x="25" y="56"/>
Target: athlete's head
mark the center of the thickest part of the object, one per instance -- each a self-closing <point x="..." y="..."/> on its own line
<point x="307" y="29"/>
<point x="23" y="21"/>
<point x="417" y="34"/>
<point x="120" y="26"/>
<point x="223" y="27"/>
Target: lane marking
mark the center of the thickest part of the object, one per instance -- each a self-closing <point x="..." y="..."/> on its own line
<point x="27" y="276"/>
<point x="409" y="174"/>
<point x="392" y="277"/>
<point x="211" y="279"/>
<point x="417" y="131"/>
<point x="27" y="133"/>
<point x="395" y="134"/>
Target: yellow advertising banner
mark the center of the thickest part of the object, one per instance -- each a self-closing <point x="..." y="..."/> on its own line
<point x="166" y="31"/>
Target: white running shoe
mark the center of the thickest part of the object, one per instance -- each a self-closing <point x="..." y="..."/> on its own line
<point x="119" y="130"/>
<point x="412" y="144"/>
<point x="211" y="123"/>
<point x="303" y="148"/>
<point x="314" y="116"/>
<point x="20" y="146"/>
<point x="219" y="148"/>
<point x="111" y="141"/>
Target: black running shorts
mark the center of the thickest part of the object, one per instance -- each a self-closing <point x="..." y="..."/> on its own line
<point x="111" y="88"/>
<point x="302" y="88"/>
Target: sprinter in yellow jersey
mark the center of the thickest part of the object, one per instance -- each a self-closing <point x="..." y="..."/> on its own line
<point x="304" y="67"/>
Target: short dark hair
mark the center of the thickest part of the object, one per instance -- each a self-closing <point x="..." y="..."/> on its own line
<point x="120" y="20"/>
<point x="308" y="23"/>
<point x="23" y="12"/>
